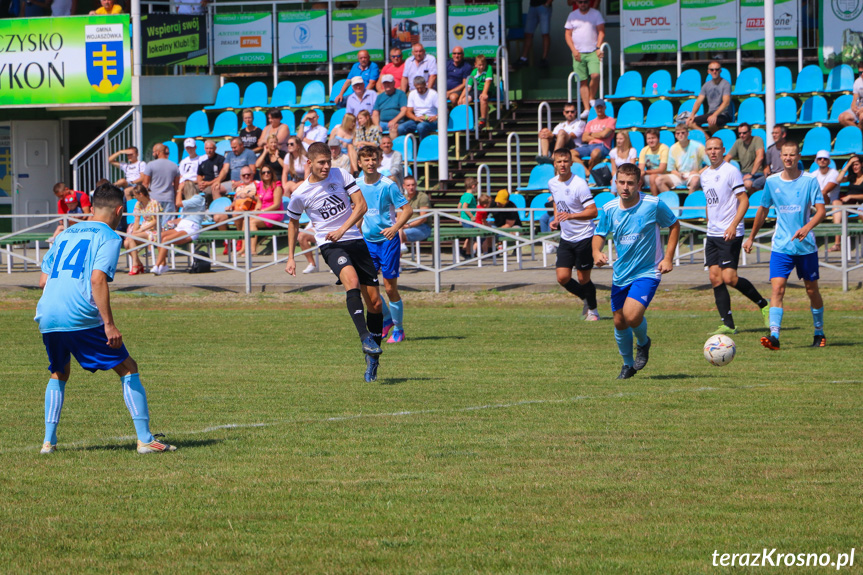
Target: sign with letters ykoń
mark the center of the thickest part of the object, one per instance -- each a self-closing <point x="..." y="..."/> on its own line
<point x="243" y="39"/>
<point x="476" y="28"/>
<point x="649" y="26"/>
<point x="56" y="61"/>
<point x="174" y="39"/>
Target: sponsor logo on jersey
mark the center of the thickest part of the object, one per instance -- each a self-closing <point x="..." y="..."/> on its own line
<point x="628" y="239"/>
<point x="789" y="209"/>
<point x="332" y="206"/>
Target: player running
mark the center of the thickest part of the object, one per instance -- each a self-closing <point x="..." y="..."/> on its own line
<point x="795" y="195"/>
<point x="383" y="198"/>
<point x="727" y="203"/>
<point x="75" y="317"/>
<point x="326" y="196"/>
<point x="574" y="211"/>
<point x="634" y="220"/>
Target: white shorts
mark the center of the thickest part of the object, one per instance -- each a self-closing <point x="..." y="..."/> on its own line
<point x="689" y="177"/>
<point x="190" y="227"/>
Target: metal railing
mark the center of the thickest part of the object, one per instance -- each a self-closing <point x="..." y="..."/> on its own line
<point x="605" y="46"/>
<point x="502" y="55"/>
<point x="509" y="156"/>
<point x="547" y="107"/>
<point x="91" y="164"/>
<point x="479" y="171"/>
<point x="577" y="90"/>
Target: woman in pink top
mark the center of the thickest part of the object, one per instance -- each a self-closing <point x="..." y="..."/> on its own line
<point x="269" y="200"/>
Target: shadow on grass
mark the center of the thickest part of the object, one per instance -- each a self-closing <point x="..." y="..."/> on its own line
<point x="675" y="376"/>
<point x="128" y="446"/>
<point x="764" y="329"/>
<point x="398" y="380"/>
<point x="436" y="337"/>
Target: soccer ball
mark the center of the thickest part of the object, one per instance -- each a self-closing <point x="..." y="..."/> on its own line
<point x="719" y="350"/>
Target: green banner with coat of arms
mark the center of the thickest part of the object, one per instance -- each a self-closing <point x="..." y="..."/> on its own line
<point x="355" y="30"/>
<point x="841" y="33"/>
<point x="56" y="61"/>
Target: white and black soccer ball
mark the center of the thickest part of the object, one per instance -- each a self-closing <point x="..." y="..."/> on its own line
<point x="719" y="350"/>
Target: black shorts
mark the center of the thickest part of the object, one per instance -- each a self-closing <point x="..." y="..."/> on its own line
<point x="720" y="253"/>
<point x="578" y="255"/>
<point x="340" y="255"/>
<point x="720" y="121"/>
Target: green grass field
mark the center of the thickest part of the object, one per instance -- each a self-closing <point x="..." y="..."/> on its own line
<point x="496" y="440"/>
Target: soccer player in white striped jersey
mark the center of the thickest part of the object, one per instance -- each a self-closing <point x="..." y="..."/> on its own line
<point x="727" y="203"/>
<point x="574" y="212"/>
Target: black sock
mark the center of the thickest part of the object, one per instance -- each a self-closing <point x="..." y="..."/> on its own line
<point x="375" y="323"/>
<point x="723" y="304"/>
<point x="745" y="287"/>
<point x="589" y="291"/>
<point x="574" y="288"/>
<point x="355" y="309"/>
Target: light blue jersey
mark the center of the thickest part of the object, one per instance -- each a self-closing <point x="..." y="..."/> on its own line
<point x="794" y="201"/>
<point x="635" y="232"/>
<point x="67" y="301"/>
<point x="383" y="198"/>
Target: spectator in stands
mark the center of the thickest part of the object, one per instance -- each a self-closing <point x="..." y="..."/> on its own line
<point x="209" y="170"/>
<point x="716" y="93"/>
<point x="585" y="33"/>
<point x="186" y="228"/>
<point x="421" y="111"/>
<point x="621" y="153"/>
<point x="273" y="158"/>
<point x="162" y="178"/>
<point x="144" y="224"/>
<point x="566" y="134"/>
<point x="467" y="205"/>
<point x="457" y="72"/>
<point x="275" y="126"/>
<point x="70" y="202"/>
<point x="190" y="164"/>
<point x="653" y="160"/>
<point x="483" y="203"/>
<point x="314" y="133"/>
<point x="238" y="157"/>
<point x="62" y="8"/>
<point x="854" y="116"/>
<point x="269" y="200"/>
<point x="395" y="68"/>
<point x="108" y="7"/>
<point x="37" y="8"/>
<point x="852" y="194"/>
<point x="296" y="166"/>
<point x="539" y="13"/>
<point x="245" y="200"/>
<point x="504" y="219"/>
<point x="597" y="137"/>
<point x="391" y="161"/>
<point x="345" y="133"/>
<point x="132" y="169"/>
<point x="339" y="159"/>
<point x="391" y="106"/>
<point x="749" y="151"/>
<point x="250" y="134"/>
<point x="419" y="64"/>
<point x="418" y="229"/>
<point x="828" y="181"/>
<point x="364" y="69"/>
<point x="686" y="159"/>
<point x="480" y="80"/>
<point x="367" y="134"/>
<point x="773" y="157"/>
<point x="192" y="8"/>
<point x="360" y="99"/>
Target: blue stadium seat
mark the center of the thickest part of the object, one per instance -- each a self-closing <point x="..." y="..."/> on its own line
<point x="225" y="126"/>
<point x="255" y="96"/>
<point x="783" y="80"/>
<point x="284" y="95"/>
<point x="223" y="147"/>
<point x="840" y="79"/>
<point x="695" y="200"/>
<point x="628" y="86"/>
<point x="227" y="98"/>
<point x="840" y="104"/>
<point x="630" y="115"/>
<point x="749" y="82"/>
<point x="173" y="151"/>
<point x="754" y="203"/>
<point x="199" y="149"/>
<point x="672" y="200"/>
<point x="698" y="136"/>
<point x="727" y="136"/>
<point x="337" y="87"/>
<point x="686" y="106"/>
<point x="578" y="170"/>
<point x="667" y="137"/>
<point x="813" y="111"/>
<point x="786" y="110"/>
<point x="537" y="203"/>
<point x="751" y="111"/>
<point x="399" y="146"/>
<point x="460" y="119"/>
<point x="662" y="79"/>
<point x="602" y="198"/>
<point x="636" y="139"/>
<point x="725" y="73"/>
<point x="539" y="177"/>
<point x="849" y="140"/>
<point x="217" y="206"/>
<point x="259" y="119"/>
<point x="313" y="95"/>
<point x="660" y="114"/>
<point x="816" y="139"/>
<point x="761" y="133"/>
<point x="130" y="207"/>
<point x="519" y="201"/>
<point x="197" y="125"/>
<point x="810" y="80"/>
<point x="336" y="118"/>
<point x="609" y="111"/>
<point x="428" y="149"/>
<point x="688" y="81"/>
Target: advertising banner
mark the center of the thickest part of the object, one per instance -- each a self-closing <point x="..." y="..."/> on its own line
<point x="476" y="28"/>
<point x="649" y="26"/>
<point x="708" y="25"/>
<point x="51" y="61"/>
<point x="243" y="39"/>
<point x="752" y="24"/>
<point x="303" y="37"/>
<point x="411" y="25"/>
<point x="171" y="39"/>
<point x="841" y="32"/>
<point x="355" y="30"/>
<point x="5" y="162"/>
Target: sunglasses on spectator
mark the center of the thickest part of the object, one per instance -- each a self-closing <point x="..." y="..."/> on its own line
<point x="569" y="111"/>
<point x="395" y="57"/>
<point x="265" y="172"/>
<point x="714" y="69"/>
<point x="246" y="175"/>
<point x="291" y="144"/>
<point x="822" y="160"/>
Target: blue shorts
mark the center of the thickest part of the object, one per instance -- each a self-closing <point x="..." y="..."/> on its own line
<point x="641" y="290"/>
<point x="386" y="256"/>
<point x="540" y="15"/>
<point x="418" y="233"/>
<point x="89" y="346"/>
<point x="782" y="264"/>
<point x="587" y="149"/>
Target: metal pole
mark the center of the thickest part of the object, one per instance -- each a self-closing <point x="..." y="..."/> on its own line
<point x="739" y="51"/>
<point x="769" y="69"/>
<point x="136" y="38"/>
<point x="679" y="43"/>
<point x="275" y="48"/>
<point x="387" y="24"/>
<point x="443" y="139"/>
<point x="138" y="129"/>
<point x="248" y="265"/>
<point x="799" y="36"/>
<point x="843" y="253"/>
<point x="330" y="43"/>
<point x="436" y="261"/>
<point x="211" y="42"/>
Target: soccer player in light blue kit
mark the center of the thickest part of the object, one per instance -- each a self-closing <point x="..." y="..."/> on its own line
<point x="794" y="194"/>
<point x="75" y="318"/>
<point x="634" y="220"/>
<point x="381" y="232"/>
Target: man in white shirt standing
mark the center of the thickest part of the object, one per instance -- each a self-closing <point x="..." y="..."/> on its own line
<point x="420" y="64"/>
<point x="566" y="134"/>
<point x="585" y="33"/>
<point x="189" y="164"/>
<point x="422" y="111"/>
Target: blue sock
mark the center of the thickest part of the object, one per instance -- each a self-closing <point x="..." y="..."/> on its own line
<point x="624" y="345"/>
<point x="641" y="332"/>
<point x="386" y="310"/>
<point x="398" y="309"/>
<point x="136" y="401"/>
<point x="54" y="393"/>
<point x="775" y="321"/>
<point x="818" y="320"/>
